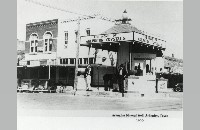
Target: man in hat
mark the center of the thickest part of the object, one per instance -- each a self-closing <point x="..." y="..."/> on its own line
<point x="121" y="77"/>
<point x="88" y="78"/>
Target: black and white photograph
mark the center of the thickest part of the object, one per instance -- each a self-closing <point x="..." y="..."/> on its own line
<point x="94" y="58"/>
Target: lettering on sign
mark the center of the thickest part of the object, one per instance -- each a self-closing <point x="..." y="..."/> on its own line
<point x="108" y="38"/>
<point x="162" y="86"/>
<point x="148" y="40"/>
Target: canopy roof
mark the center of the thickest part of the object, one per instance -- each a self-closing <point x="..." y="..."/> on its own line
<point x="122" y="28"/>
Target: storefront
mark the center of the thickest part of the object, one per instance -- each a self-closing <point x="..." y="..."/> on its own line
<point x="138" y="52"/>
<point x="46" y="72"/>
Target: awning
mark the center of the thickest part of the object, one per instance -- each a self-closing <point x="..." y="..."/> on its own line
<point x="123" y="33"/>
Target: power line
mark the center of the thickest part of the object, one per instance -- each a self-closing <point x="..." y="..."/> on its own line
<point x="67" y="11"/>
<point x="53" y="7"/>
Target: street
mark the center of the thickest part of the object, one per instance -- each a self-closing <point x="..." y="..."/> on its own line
<point x="51" y="104"/>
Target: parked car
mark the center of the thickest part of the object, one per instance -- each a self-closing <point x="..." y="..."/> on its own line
<point x="178" y="87"/>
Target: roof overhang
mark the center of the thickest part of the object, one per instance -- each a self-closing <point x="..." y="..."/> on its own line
<point x="117" y="38"/>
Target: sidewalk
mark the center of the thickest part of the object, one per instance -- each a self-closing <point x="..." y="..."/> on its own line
<point x="133" y="94"/>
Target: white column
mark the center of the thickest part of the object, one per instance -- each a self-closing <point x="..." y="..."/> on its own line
<point x="89" y="54"/>
<point x="144" y="67"/>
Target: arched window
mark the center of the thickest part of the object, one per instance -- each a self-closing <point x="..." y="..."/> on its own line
<point x="33" y="43"/>
<point x="48" y="42"/>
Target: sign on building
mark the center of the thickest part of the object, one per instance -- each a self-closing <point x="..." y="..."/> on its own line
<point x="107" y="38"/>
<point x="149" y="40"/>
<point x="162" y="85"/>
<point x="106" y="58"/>
<point x="22" y="63"/>
<point x="35" y="63"/>
<point x="43" y="62"/>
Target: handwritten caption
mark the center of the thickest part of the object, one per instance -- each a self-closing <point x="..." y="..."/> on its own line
<point x="141" y="117"/>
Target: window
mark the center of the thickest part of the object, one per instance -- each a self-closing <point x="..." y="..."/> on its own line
<point x="80" y="60"/>
<point x="72" y="61"/>
<point x="48" y="42"/>
<point x="33" y="43"/>
<point x="88" y="31"/>
<point x="64" y="61"/>
<point x="85" y="60"/>
<point x="66" y="38"/>
<point x="91" y="61"/>
<point x="76" y="33"/>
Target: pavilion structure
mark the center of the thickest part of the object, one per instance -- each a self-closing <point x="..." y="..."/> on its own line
<point x="139" y="52"/>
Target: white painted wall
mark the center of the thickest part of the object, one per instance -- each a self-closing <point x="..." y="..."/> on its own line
<point x="158" y="63"/>
<point x="40" y="56"/>
<point x="96" y="26"/>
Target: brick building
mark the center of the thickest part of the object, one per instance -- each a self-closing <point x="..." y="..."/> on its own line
<point x="50" y="48"/>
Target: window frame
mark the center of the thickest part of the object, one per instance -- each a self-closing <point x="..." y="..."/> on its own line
<point x="66" y="38"/>
<point x="85" y="60"/>
<point x="48" y="42"/>
<point x="88" y="32"/>
<point x="33" y="43"/>
<point x="72" y="60"/>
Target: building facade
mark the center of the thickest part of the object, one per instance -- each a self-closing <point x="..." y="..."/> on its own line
<point x="138" y="52"/>
<point x="50" y="48"/>
<point x="50" y="52"/>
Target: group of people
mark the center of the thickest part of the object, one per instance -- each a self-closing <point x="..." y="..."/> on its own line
<point x="119" y="77"/>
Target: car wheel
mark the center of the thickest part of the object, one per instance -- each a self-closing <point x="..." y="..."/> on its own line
<point x="178" y="89"/>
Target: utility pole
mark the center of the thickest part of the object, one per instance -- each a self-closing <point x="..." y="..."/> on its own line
<point x="77" y="55"/>
<point x="78" y="33"/>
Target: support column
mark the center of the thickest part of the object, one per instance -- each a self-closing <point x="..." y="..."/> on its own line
<point x="150" y="66"/>
<point x="144" y="67"/>
<point x="130" y="56"/>
<point x="89" y="53"/>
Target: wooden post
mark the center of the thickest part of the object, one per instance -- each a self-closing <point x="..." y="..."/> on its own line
<point x="150" y="66"/>
<point x="89" y="54"/>
<point x="77" y="55"/>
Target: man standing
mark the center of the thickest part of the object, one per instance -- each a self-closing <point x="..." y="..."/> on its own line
<point x="122" y="74"/>
<point x="88" y="78"/>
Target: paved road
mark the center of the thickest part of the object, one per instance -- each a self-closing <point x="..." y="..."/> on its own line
<point x="57" y="104"/>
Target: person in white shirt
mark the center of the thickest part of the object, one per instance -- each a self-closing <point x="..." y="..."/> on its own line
<point x="88" y="78"/>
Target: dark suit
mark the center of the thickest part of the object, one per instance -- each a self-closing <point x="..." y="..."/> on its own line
<point x="121" y="77"/>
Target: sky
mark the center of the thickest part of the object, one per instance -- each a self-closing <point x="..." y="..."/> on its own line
<point x="163" y="18"/>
